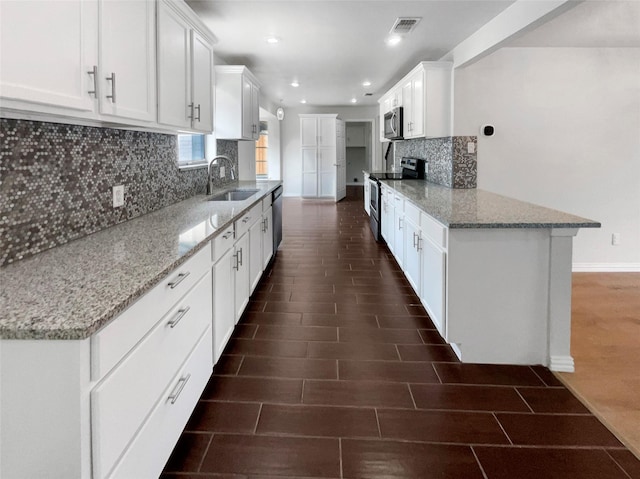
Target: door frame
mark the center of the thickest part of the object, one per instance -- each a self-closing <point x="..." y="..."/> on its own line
<point x="370" y="166"/>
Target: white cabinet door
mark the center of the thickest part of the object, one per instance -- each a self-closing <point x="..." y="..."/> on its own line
<point x="202" y="82"/>
<point x="326" y="131"/>
<point x="309" y="172"/>
<point x="398" y="241"/>
<point x="174" y="68"/>
<point x="367" y="195"/>
<point x="247" y="108"/>
<point x="308" y="132"/>
<point x="327" y="167"/>
<point x="434" y="261"/>
<point x="223" y="302"/>
<point x="127" y="59"/>
<point x="412" y="255"/>
<point x="46" y="51"/>
<point x="388" y="230"/>
<point x="255" y="254"/>
<point x="341" y="163"/>
<point x="407" y="109"/>
<point x="267" y="237"/>
<point x="417" y="104"/>
<point x="242" y="275"/>
<point x="255" y="110"/>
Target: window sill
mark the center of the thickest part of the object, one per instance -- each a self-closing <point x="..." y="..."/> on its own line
<point x="193" y="166"/>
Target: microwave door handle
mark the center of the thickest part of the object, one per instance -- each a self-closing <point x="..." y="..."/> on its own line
<point x="393" y="122"/>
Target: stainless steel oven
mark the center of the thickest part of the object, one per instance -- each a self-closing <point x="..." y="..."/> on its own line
<point x="375" y="204"/>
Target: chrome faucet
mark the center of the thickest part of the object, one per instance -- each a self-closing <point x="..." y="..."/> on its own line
<point x="210" y="171"/>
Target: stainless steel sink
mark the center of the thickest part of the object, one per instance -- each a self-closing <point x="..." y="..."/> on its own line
<point x="233" y="195"/>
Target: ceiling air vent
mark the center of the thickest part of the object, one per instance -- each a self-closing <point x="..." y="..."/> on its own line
<point x="404" y="25"/>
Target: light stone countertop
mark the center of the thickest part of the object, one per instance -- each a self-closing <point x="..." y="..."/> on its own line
<point x="475" y="208"/>
<point x="73" y="290"/>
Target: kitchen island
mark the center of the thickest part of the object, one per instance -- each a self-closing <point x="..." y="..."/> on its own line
<point x="494" y="273"/>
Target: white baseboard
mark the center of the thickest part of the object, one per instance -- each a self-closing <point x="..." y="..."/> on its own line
<point x="562" y="364"/>
<point x="606" y="267"/>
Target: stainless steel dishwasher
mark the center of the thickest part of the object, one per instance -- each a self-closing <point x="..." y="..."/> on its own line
<point x="276" y="204"/>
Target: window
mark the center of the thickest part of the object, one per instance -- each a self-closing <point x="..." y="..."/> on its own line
<point x="262" y="166"/>
<point x="191" y="150"/>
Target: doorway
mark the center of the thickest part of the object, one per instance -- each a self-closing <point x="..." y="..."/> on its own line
<point x="359" y="151"/>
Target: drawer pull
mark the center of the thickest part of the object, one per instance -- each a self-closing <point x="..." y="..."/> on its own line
<point x="415" y="243"/>
<point x="237" y="265"/>
<point x="182" y="382"/>
<point x="179" y="315"/>
<point x="419" y="246"/>
<point x="227" y="235"/>
<point x="246" y="219"/>
<point x="179" y="280"/>
<point x="240" y="258"/>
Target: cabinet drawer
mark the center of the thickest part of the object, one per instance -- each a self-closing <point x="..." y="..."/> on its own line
<point x="248" y="219"/>
<point x="109" y="345"/>
<point x="266" y="202"/>
<point x="149" y="451"/>
<point x="412" y="213"/>
<point x="120" y="404"/>
<point x="223" y="242"/>
<point x="398" y="200"/>
<point x="436" y="231"/>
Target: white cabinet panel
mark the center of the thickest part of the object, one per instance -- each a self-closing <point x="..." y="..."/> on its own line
<point x="323" y="156"/>
<point x="326" y="131"/>
<point x="398" y="241"/>
<point x="308" y="132"/>
<point x="255" y="254"/>
<point x="237" y="99"/>
<point x="367" y="194"/>
<point x="247" y="114"/>
<point x="242" y="284"/>
<point x="267" y="238"/>
<point x="202" y="81"/>
<point x="309" y="184"/>
<point x="46" y="51"/>
<point x="412" y="254"/>
<point x="127" y="59"/>
<point x="434" y="261"/>
<point x="309" y="171"/>
<point x="223" y="301"/>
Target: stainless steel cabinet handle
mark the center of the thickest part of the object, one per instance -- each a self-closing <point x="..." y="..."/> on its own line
<point x="178" y="280"/>
<point x="414" y="240"/>
<point x="112" y="79"/>
<point x="182" y="382"/>
<point x="419" y="247"/>
<point x="237" y="266"/>
<point x="179" y="315"/>
<point x="400" y="223"/>
<point x="198" y="117"/>
<point x="94" y="74"/>
<point x="241" y="259"/>
<point x="246" y="219"/>
<point x="190" y="106"/>
<point x="227" y="235"/>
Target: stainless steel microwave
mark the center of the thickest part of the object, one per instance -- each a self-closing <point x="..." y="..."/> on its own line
<point x="393" y="124"/>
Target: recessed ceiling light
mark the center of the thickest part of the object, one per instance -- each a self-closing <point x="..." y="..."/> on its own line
<point x="295" y="84"/>
<point x="366" y="83"/>
<point x="393" y="40"/>
<point x="303" y="101"/>
<point x="272" y="40"/>
<point x="353" y="100"/>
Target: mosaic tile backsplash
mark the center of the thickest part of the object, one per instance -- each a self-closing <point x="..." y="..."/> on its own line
<point x="449" y="163"/>
<point x="56" y="181"/>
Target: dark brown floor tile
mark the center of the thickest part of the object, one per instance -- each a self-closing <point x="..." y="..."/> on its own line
<point x="278" y="319"/>
<point x="245" y="331"/>
<point x="288" y="368"/>
<point x="352" y="351"/>
<point x="313" y="297"/>
<point x="258" y="347"/>
<point x="357" y="393"/>
<point x="197" y="475"/>
<point x="552" y="400"/>
<point x="542" y="463"/>
<point x="280" y="456"/>
<point x="440" y="426"/>
<point x="318" y="421"/>
<point x="415" y="310"/>
<point x="300" y="307"/>
<point x="556" y="430"/>
<point x="375" y="289"/>
<point x="234" y="388"/>
<point x="627" y="461"/>
<point x="255" y="306"/>
<point x="387" y="371"/>
<point x="377" y="280"/>
<point x="387" y="298"/>
<point x="352" y="273"/>
<point x="496" y="374"/>
<point x="277" y="279"/>
<point x="228" y="365"/>
<point x="210" y="416"/>
<point x="470" y="398"/>
<point x="427" y="352"/>
<point x="547" y="376"/>
<point x="294" y="288"/>
<point x="395" y="460"/>
<point x="371" y="335"/>
<point x="372" y="308"/>
<point x="346" y="320"/>
<point x="188" y="452"/>
<point x="302" y="333"/>
<point x="431" y="336"/>
<point x="271" y="296"/>
<point x="405" y="322"/>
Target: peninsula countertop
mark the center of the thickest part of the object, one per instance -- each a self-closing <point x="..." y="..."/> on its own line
<point x="73" y="290"/>
<point x="475" y="208"/>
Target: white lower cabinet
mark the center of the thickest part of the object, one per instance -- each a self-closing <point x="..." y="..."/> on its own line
<point x="399" y="227"/>
<point x="387" y="219"/>
<point x="367" y="194"/>
<point x="255" y="253"/>
<point x="242" y="279"/>
<point x="412" y="254"/>
<point x="433" y="290"/>
<point x="223" y="301"/>
<point x="267" y="237"/>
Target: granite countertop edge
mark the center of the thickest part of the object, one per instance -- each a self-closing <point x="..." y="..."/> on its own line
<point x="114" y="308"/>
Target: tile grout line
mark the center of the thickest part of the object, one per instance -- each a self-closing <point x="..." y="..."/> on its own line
<point x="255" y="428"/>
<point x="624" y="471"/>
<point x="411" y="394"/>
<point x="378" y="423"/>
<point x="340" y="456"/>
<point x="522" y="397"/>
<point x="436" y="371"/>
<point x="502" y="428"/>
<point x="205" y="453"/>
<point x="484" y="474"/>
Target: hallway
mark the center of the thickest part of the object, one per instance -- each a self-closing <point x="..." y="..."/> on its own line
<point x="336" y="371"/>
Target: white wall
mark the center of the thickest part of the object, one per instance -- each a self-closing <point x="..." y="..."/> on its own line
<point x="567" y="137"/>
<point x="290" y="140"/>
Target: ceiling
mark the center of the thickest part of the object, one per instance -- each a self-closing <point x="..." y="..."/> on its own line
<point x="331" y="47"/>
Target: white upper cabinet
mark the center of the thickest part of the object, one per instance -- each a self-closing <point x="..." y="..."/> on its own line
<point x="127" y="64"/>
<point x="185" y="71"/>
<point x="237" y="103"/>
<point x="48" y="51"/>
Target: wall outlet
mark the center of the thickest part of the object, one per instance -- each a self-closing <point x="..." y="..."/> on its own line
<point x="615" y="239"/>
<point x="222" y="172"/>
<point x="471" y="147"/>
<point x="118" y="196"/>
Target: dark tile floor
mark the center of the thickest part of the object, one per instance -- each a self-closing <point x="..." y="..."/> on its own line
<point x="336" y="371"/>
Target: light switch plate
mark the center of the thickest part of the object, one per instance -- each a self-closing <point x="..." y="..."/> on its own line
<point x="118" y="196"/>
